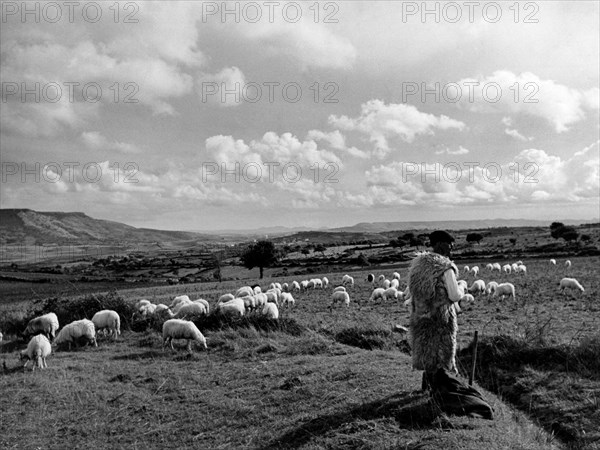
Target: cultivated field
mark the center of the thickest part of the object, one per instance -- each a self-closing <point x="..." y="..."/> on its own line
<point x="322" y="380"/>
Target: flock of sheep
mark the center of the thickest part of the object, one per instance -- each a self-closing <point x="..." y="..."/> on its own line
<point x="251" y="300"/>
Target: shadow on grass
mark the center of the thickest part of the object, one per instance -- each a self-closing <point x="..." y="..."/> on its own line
<point x="150" y="354"/>
<point x="411" y="410"/>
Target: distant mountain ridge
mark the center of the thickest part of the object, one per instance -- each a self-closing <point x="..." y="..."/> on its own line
<point x="26" y="226"/>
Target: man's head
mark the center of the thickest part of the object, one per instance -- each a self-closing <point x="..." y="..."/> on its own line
<point x="442" y="242"/>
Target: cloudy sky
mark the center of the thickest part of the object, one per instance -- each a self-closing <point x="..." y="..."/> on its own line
<point x="206" y="115"/>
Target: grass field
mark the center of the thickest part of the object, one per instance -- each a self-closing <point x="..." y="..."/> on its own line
<point x="321" y="387"/>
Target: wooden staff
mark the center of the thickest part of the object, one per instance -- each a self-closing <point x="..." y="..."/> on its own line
<point x="473" y="359"/>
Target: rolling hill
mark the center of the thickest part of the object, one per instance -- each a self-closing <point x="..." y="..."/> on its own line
<point x="25" y="226"/>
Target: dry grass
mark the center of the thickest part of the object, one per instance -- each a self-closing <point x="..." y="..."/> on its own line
<point x="311" y="382"/>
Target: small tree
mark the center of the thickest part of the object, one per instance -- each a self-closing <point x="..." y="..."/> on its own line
<point x="513" y="241"/>
<point x="416" y="242"/>
<point x="362" y="260"/>
<point x="320" y="248"/>
<point x="569" y="234"/>
<point x="261" y="254"/>
<point x="474" y="237"/>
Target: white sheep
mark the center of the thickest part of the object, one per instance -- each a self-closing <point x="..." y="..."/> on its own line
<point x="380" y="279"/>
<point x="260" y="299"/>
<point x="474" y="270"/>
<point x="571" y="283"/>
<point x="491" y="287"/>
<point x="325" y="282"/>
<point x="378" y="293"/>
<point x="244" y="291"/>
<point x="270" y="311"/>
<point x="462" y="285"/>
<point x="225" y="298"/>
<point x="341" y="297"/>
<point x="191" y="309"/>
<point x="272" y="297"/>
<point x="567" y="264"/>
<point x="141" y="303"/>
<point x="318" y="283"/>
<point x="396" y="276"/>
<point x="489" y="266"/>
<point x="163" y="311"/>
<point x="514" y="267"/>
<point x="287" y="299"/>
<point x="386" y="284"/>
<point x="108" y="319"/>
<point x="1" y="336"/>
<point x="38" y="350"/>
<point x="340" y="289"/>
<point x="235" y="307"/>
<point x="75" y="330"/>
<point x="256" y="290"/>
<point x="496" y="266"/>
<point x="285" y="287"/>
<point x="478" y="287"/>
<point x="507" y="289"/>
<point x="278" y="285"/>
<point x="147" y="309"/>
<point x="522" y="269"/>
<point x="392" y="293"/>
<point x="553" y="262"/>
<point x="249" y="302"/>
<point x="203" y="302"/>
<point x="507" y="268"/>
<point x="395" y="283"/>
<point x="47" y="324"/>
<point x="347" y="279"/>
<point x="178" y="300"/>
<point x="180" y="305"/>
<point x="304" y="284"/>
<point x="295" y="286"/>
<point x="182" y="329"/>
<point x="466" y="269"/>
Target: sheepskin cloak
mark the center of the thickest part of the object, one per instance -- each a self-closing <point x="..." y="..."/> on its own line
<point x="433" y="324"/>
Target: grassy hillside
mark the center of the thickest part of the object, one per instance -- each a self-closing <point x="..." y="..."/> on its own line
<point x="321" y="379"/>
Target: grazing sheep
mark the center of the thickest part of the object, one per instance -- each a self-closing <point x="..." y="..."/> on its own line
<point x="203" y="302"/>
<point x="47" y="324"/>
<point x="571" y="283"/>
<point x="340" y="289"/>
<point x="522" y="269"/>
<point x="341" y="297"/>
<point x="396" y="276"/>
<point x="380" y="279"/>
<point x="249" y="302"/>
<point x="272" y="297"/>
<point x="395" y="283"/>
<point x="433" y="324"/>
<point x="244" y="291"/>
<point x="317" y="283"/>
<point x="507" y="289"/>
<point x="466" y="269"/>
<point x="1" y="336"/>
<point x="514" y="267"/>
<point x="474" y="270"/>
<point x="304" y="284"/>
<point x="191" y="309"/>
<point x="466" y="298"/>
<point x="287" y="299"/>
<point x="295" y="286"/>
<point x="325" y="282"/>
<point x="256" y="290"/>
<point x="38" y="350"/>
<point x="181" y="304"/>
<point x="225" y="298"/>
<point x="347" y="279"/>
<point x="568" y="264"/>
<point x="261" y="299"/>
<point x="147" y="309"/>
<point x="392" y="294"/>
<point x="491" y="287"/>
<point x="285" y="287"/>
<point x="162" y="311"/>
<point x="496" y="266"/>
<point x="478" y="287"/>
<point x="270" y="311"/>
<point x="386" y="284"/>
<point x="371" y="278"/>
<point x="141" y="303"/>
<point x="553" y="262"/>
<point x="489" y="266"/>
<point x="75" y="330"/>
<point x="378" y="293"/>
<point x="507" y="268"/>
<point x="108" y="319"/>
<point x="179" y="299"/>
<point x="182" y="329"/>
<point x="462" y="285"/>
<point x="235" y="307"/>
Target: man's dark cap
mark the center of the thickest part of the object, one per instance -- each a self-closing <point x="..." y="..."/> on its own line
<point x="440" y="236"/>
